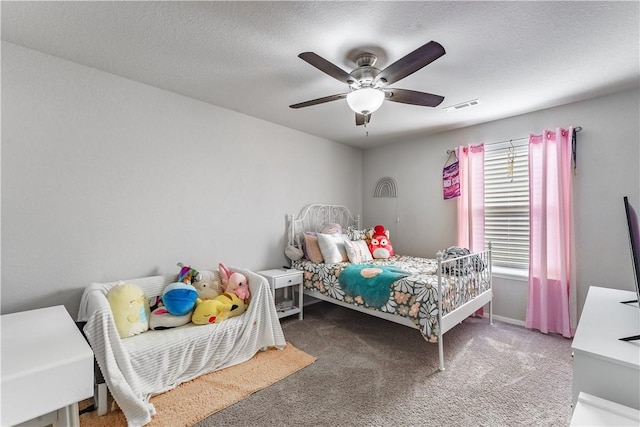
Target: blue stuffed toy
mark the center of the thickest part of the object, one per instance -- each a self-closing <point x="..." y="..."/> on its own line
<point x="179" y="298"/>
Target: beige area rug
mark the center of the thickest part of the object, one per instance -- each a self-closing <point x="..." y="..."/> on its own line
<point x="195" y="400"/>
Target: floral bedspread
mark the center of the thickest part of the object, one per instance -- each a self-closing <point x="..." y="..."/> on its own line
<point x="414" y="296"/>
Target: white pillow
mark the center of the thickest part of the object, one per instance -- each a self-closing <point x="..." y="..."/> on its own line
<point x="358" y="251"/>
<point x="332" y="248"/>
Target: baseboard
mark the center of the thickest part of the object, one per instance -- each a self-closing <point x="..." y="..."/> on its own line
<point x="507" y="320"/>
<point x="310" y="301"/>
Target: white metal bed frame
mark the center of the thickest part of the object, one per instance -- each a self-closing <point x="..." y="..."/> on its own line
<point x="314" y="217"/>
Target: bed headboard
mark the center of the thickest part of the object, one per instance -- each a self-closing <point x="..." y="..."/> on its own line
<point x="315" y="217"/>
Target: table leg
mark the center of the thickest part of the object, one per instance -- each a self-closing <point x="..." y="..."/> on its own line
<point x="68" y="416"/>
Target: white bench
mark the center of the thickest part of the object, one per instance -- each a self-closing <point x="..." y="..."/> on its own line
<point x="153" y="362"/>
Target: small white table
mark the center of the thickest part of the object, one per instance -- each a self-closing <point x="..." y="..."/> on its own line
<point x="47" y="368"/>
<point x="285" y="278"/>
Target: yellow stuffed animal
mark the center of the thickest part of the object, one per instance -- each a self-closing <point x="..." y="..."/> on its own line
<point x="222" y="307"/>
<point x="130" y="309"/>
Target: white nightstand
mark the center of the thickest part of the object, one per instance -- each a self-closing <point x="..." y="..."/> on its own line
<point x="287" y="279"/>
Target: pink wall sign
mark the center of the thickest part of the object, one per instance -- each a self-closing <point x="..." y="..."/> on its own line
<point x="451" y="181"/>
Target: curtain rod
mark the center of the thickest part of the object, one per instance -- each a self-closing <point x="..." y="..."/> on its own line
<point x="576" y="129"/>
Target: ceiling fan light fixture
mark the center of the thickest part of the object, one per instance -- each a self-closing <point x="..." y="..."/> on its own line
<point x="366" y="100"/>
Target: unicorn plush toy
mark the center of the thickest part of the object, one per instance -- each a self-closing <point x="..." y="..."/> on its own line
<point x="187" y="274"/>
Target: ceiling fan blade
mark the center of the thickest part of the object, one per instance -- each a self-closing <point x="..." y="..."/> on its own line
<point x="362" y="119"/>
<point x="319" y="100"/>
<point x="327" y="67"/>
<point x="411" y="63"/>
<point x="413" y="97"/>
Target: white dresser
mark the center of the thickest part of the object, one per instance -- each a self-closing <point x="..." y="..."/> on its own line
<point x="604" y="366"/>
<point x="591" y="411"/>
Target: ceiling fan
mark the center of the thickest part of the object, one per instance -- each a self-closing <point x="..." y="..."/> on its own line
<point x="369" y="85"/>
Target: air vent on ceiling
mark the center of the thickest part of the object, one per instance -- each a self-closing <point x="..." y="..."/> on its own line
<point x="462" y="105"/>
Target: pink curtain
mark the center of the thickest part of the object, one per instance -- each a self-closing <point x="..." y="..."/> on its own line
<point x="551" y="305"/>
<point x="471" y="200"/>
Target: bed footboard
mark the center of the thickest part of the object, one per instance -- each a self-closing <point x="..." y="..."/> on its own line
<point x="464" y="287"/>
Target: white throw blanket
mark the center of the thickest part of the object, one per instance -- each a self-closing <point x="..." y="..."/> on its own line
<point x="153" y="362"/>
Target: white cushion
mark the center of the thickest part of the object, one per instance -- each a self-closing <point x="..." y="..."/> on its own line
<point x="332" y="248"/>
<point x="358" y="251"/>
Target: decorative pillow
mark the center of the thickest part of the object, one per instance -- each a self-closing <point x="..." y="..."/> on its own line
<point x="357" y="234"/>
<point x="130" y="309"/>
<point x="311" y="248"/>
<point x="357" y="251"/>
<point x="332" y="228"/>
<point x="332" y="248"/>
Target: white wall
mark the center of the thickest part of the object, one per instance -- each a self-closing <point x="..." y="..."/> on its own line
<point x="104" y="178"/>
<point x="608" y="162"/>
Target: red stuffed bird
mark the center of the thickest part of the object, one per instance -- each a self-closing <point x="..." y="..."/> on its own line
<point x="380" y="245"/>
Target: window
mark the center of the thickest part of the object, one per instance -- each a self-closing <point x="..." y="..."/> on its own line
<point x="506" y="203"/>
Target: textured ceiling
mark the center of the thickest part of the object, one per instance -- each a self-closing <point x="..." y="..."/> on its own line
<point x="515" y="57"/>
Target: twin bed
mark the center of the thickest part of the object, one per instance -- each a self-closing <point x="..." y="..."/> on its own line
<point x="431" y="295"/>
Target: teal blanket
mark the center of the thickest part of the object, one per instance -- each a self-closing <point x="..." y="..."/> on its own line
<point x="371" y="282"/>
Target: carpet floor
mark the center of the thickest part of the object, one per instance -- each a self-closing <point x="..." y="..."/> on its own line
<point x="373" y="372"/>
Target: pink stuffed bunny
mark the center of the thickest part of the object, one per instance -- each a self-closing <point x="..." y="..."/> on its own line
<point x="234" y="282"/>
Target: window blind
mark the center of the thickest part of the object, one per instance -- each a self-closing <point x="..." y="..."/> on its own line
<point x="506" y="202"/>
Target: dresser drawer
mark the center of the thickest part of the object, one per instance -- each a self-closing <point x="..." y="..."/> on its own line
<point x="288" y="280"/>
